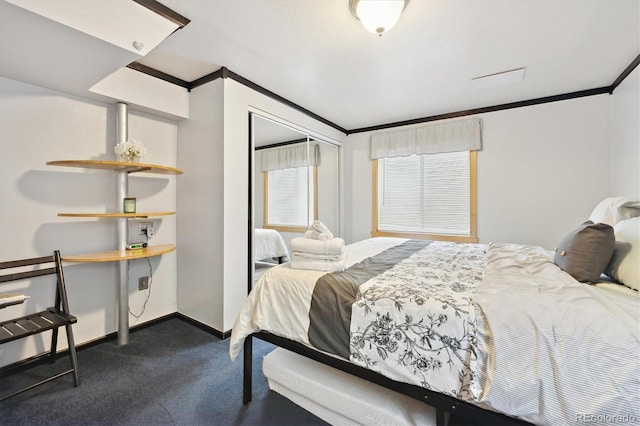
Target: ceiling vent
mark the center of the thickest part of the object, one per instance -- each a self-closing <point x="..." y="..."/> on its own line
<point x="499" y="79"/>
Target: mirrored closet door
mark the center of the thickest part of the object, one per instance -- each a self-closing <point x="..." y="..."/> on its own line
<point x="296" y="180"/>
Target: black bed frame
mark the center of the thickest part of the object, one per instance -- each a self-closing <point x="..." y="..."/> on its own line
<point x="464" y="412"/>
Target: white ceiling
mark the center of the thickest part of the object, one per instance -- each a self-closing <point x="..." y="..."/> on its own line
<point x="317" y="55"/>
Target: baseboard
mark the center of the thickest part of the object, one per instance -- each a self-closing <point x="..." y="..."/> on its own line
<point x="220" y="334"/>
<point x="44" y="357"/>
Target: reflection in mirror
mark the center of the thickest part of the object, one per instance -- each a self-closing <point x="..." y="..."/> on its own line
<point x="295" y="181"/>
<point x="289" y="187"/>
<point x="282" y="186"/>
<point x="327" y="191"/>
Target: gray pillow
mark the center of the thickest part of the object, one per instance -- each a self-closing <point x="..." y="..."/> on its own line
<point x="586" y="251"/>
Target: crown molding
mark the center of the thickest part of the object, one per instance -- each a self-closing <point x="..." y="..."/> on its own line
<point x="164" y="11"/>
<point x="224" y="72"/>
<point x="159" y="74"/>
<point x="493" y="108"/>
<point x="625" y="73"/>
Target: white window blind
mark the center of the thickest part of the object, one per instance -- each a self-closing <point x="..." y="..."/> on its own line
<point x="288" y="191"/>
<point x="425" y="194"/>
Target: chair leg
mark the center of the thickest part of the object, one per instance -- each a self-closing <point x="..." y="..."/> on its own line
<point x="54" y="345"/>
<point x="72" y="353"/>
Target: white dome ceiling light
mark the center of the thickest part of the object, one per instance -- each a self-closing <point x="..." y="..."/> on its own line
<point x="377" y="16"/>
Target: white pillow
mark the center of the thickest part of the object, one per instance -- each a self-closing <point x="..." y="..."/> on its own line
<point x="624" y="266"/>
<point x="614" y="209"/>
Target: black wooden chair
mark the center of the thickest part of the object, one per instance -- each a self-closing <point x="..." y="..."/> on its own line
<point x="50" y="319"/>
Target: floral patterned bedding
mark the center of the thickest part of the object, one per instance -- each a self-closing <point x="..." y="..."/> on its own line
<point x="416" y="322"/>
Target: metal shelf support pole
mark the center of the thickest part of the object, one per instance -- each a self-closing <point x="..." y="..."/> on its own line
<point x="123" y="265"/>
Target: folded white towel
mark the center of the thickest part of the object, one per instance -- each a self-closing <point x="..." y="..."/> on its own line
<point x="302" y="255"/>
<point x="320" y="265"/>
<point x="320" y="227"/>
<point x="308" y="245"/>
<point x="315" y="235"/>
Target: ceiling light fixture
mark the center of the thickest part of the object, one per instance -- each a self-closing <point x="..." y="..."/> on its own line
<point x="377" y="16"/>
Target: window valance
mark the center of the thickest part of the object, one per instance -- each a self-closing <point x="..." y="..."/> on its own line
<point x="452" y="136"/>
<point x="288" y="157"/>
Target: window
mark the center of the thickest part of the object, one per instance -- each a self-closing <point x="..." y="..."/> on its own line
<point x="286" y="194"/>
<point x="426" y="196"/>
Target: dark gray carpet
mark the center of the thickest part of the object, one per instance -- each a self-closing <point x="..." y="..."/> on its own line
<point x="171" y="373"/>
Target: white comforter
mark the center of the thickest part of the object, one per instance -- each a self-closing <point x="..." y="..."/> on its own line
<point x="556" y="351"/>
<point x="268" y="243"/>
<point x="549" y="350"/>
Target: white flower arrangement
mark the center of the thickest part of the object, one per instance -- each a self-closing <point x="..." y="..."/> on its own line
<point x="130" y="151"/>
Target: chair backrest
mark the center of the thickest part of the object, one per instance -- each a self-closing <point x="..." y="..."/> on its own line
<point x="54" y="266"/>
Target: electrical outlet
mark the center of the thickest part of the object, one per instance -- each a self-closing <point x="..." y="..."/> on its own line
<point x="143" y="283"/>
<point x="143" y="226"/>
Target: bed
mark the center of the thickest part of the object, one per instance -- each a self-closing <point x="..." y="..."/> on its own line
<point x="269" y="245"/>
<point x="495" y="332"/>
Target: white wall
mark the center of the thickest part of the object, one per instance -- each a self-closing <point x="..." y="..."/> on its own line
<point x="145" y="93"/>
<point x="38" y="125"/>
<point x="200" y="220"/>
<point x="541" y="171"/>
<point x="625" y="137"/>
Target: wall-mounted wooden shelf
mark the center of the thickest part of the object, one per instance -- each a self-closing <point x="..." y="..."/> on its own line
<point x="140" y="215"/>
<point x="117" y="166"/>
<point x="116" y="255"/>
<point x="123" y="171"/>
